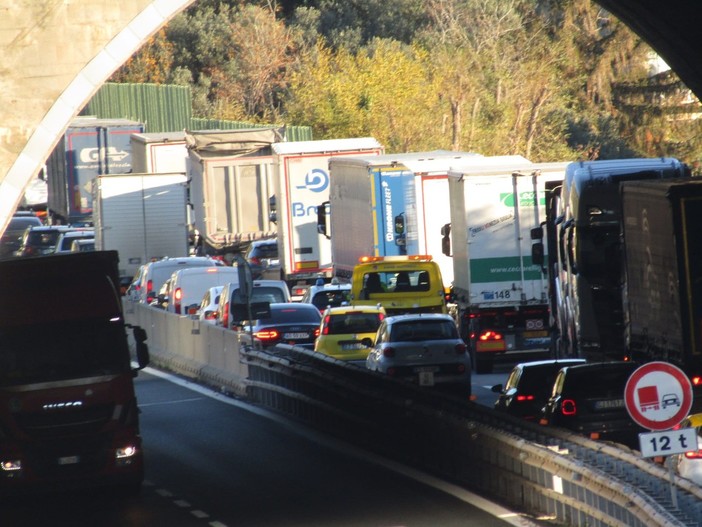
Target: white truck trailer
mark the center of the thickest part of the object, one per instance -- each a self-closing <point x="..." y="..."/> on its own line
<point x="159" y="152"/>
<point x="301" y="176"/>
<point x="502" y="297"/>
<point x="141" y="216"/>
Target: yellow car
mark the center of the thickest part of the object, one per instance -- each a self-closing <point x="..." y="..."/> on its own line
<point x="347" y="332"/>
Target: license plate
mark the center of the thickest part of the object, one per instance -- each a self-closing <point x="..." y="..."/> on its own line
<point x="352" y="346"/>
<point x="426" y="369"/>
<point x="535" y="334"/>
<point x="426" y="378"/>
<point x="68" y="460"/>
<point x="296" y="335"/>
<point x="610" y="404"/>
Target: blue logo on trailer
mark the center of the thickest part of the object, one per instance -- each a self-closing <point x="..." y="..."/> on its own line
<point x="316" y="180"/>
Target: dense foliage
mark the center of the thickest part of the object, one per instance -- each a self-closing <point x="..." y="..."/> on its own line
<point x="547" y="79"/>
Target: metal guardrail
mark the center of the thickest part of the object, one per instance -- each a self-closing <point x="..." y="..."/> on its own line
<point x="540" y="470"/>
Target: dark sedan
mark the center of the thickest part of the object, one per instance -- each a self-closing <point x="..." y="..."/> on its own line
<point x="290" y="323"/>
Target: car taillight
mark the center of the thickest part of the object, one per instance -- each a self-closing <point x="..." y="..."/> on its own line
<point x="388" y="352"/>
<point x="267" y="334"/>
<point x="696" y="380"/>
<point x="568" y="407"/>
<point x="254" y="260"/>
<point x="316" y="333"/>
<point x="694" y="454"/>
<point x="460" y="349"/>
<point x="225" y="315"/>
<point x="522" y="398"/>
<point x="149" y="286"/>
<point x="326" y="325"/>
<point x="177" y="297"/>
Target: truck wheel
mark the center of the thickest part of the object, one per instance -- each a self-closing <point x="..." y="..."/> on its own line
<point x="483" y="365"/>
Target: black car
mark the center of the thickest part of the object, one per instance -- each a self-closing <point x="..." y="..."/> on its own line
<point x="12" y="237"/>
<point x="529" y="386"/>
<point x="589" y="400"/>
<point x="290" y="323"/>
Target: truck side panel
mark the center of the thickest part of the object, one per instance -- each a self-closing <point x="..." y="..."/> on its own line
<point x="89" y="148"/>
<point x="142" y="217"/>
<point x="302" y="184"/>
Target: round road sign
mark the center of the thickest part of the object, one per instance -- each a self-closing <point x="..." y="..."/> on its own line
<point x="658" y="395"/>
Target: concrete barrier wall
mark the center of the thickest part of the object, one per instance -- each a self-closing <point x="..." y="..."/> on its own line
<point x="540" y="470"/>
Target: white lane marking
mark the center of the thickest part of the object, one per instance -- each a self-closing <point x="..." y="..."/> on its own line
<point x="181" y="503"/>
<point x="199" y="514"/>
<point x="509" y="516"/>
<point x="164" y="493"/>
<point x="217" y="524"/>
<point x="172" y="402"/>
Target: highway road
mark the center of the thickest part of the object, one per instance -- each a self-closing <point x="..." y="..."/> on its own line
<point x="215" y="461"/>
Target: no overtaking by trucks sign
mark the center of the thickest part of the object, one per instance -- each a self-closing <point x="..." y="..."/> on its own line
<point x="658" y="396"/>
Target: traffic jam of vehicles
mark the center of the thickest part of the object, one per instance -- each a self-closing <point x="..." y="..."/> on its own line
<point x="574" y="275"/>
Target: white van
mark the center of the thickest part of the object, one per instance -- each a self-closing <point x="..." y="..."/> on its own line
<point x="188" y="286"/>
<point x="271" y="291"/>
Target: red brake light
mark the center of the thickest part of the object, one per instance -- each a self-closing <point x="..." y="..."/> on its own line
<point x="388" y="352"/>
<point x="267" y="335"/>
<point x="694" y="454"/>
<point x="696" y="380"/>
<point x="568" y="407"/>
<point x="316" y="333"/>
<point x="254" y="260"/>
<point x="490" y="335"/>
<point x="326" y="325"/>
<point x="522" y="398"/>
<point x="149" y="286"/>
<point x="460" y="349"/>
<point x="178" y="295"/>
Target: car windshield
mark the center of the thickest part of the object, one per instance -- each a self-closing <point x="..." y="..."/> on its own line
<point x="353" y="323"/>
<point x="264" y="251"/>
<point x="21" y="223"/>
<point x="43" y="239"/>
<point x="396" y="282"/>
<point x="418" y="330"/>
<point x="292" y="314"/>
<point x="261" y="294"/>
<point x="333" y="298"/>
<point x="62" y="350"/>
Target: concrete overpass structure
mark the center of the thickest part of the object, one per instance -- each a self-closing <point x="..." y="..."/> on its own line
<point x="57" y="53"/>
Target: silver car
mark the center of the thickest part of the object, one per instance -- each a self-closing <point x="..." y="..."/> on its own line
<point x="422" y="348"/>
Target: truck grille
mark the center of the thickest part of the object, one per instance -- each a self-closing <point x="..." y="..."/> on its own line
<point x="64" y="421"/>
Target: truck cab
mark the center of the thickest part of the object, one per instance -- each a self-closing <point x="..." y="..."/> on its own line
<point x="401" y="284"/>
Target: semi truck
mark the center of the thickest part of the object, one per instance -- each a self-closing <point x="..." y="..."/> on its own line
<point x="301" y="183"/>
<point x="370" y="192"/>
<point x="141" y="216"/>
<point x="88" y="148"/>
<point x="500" y="293"/>
<point x="583" y="231"/>
<point x="68" y="409"/>
<point x="662" y="293"/>
<point x="231" y="187"/>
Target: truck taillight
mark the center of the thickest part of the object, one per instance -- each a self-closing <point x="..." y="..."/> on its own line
<point x="568" y="407"/>
<point x="490" y="335"/>
<point x="696" y="380"/>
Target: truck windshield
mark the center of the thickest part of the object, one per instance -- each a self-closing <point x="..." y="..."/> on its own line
<point x="62" y="351"/>
<point x="599" y="254"/>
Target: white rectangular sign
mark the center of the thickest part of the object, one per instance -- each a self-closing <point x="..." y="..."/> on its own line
<point x="668" y="442"/>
